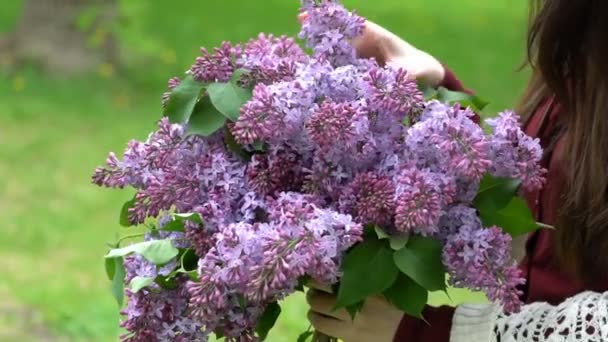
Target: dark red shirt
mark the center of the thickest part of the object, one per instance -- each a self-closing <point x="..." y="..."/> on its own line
<point x="546" y="282"/>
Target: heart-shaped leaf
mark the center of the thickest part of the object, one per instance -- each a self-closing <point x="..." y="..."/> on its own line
<point x="139" y="283"/>
<point x="174" y="226"/>
<point x="228" y="98"/>
<point x="182" y="101"/>
<point x="407" y="296"/>
<point x="158" y="252"/>
<point x="464" y="99"/>
<point x="205" y="119"/>
<point x="398" y="242"/>
<point x="194" y="217"/>
<point x="368" y="269"/>
<point x="515" y="219"/>
<point x="421" y="261"/>
<point x="118" y="281"/>
<point x="495" y="193"/>
<point x="124" y="213"/>
<point x="267" y="320"/>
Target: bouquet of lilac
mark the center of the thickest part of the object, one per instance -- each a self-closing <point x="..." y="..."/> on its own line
<point x="272" y="167"/>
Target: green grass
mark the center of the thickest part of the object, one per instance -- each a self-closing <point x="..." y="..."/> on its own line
<point x="54" y="132"/>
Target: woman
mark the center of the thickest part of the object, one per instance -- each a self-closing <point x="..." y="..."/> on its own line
<point x="566" y="106"/>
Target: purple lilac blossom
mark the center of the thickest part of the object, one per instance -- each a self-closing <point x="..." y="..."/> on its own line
<point x="217" y="66"/>
<point x="328" y="30"/>
<point x="271" y="59"/>
<point x="448" y="139"/>
<point x="342" y="84"/>
<point x="155" y="314"/>
<point x="420" y="197"/>
<point x="263" y="261"/>
<point x="370" y="198"/>
<point x="514" y="153"/>
<point x="275" y="113"/>
<point x="480" y="259"/>
<point x="276" y="171"/>
<point x="335" y="125"/>
<point x="391" y="91"/>
<point x="171" y="84"/>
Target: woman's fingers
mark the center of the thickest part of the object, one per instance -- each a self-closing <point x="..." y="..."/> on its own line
<point x="324" y="303"/>
<point x="313" y="284"/>
<point x="328" y="325"/>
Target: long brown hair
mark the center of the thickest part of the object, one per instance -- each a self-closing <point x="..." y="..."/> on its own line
<point x="568" y="54"/>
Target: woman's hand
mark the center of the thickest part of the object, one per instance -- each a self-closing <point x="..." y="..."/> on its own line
<point x="388" y="48"/>
<point x="377" y="321"/>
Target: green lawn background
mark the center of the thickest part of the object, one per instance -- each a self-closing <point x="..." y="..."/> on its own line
<point x="55" y="130"/>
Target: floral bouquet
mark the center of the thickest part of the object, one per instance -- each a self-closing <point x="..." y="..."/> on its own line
<point x="272" y="167"/>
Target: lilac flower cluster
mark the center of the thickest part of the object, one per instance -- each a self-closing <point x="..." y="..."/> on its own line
<point x="328" y="30"/>
<point x="514" y="153"/>
<point x="262" y="262"/>
<point x="156" y="314"/>
<point x="346" y="143"/>
<point x="270" y="59"/>
<point x="480" y="259"/>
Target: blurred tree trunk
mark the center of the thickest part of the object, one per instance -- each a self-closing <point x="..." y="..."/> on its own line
<point x="56" y="35"/>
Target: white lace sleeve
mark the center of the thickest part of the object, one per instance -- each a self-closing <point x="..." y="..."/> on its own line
<point x="582" y="318"/>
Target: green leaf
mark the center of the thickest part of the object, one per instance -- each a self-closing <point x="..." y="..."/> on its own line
<point x="267" y="320"/>
<point x="158" y="252"/>
<point x="305" y="336"/>
<point x="464" y="99"/>
<point x="258" y="146"/>
<point x="205" y="119"/>
<point x="495" y="193"/>
<point x="118" y="281"/>
<point x="166" y="282"/>
<point x="194" y="217"/>
<point x="498" y="206"/>
<point x="354" y="309"/>
<point x="139" y="283"/>
<point x="183" y="100"/>
<point x="421" y="260"/>
<point x="398" y="242"/>
<point x="515" y="219"/>
<point x="110" y="268"/>
<point x="381" y="233"/>
<point x="189" y="260"/>
<point x="174" y="226"/>
<point x="428" y="92"/>
<point x="228" y="98"/>
<point x="407" y="296"/>
<point x="368" y="269"/>
<point x="193" y="275"/>
<point x="124" y="213"/>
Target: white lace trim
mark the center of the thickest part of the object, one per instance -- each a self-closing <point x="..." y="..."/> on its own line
<point x="582" y="318"/>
